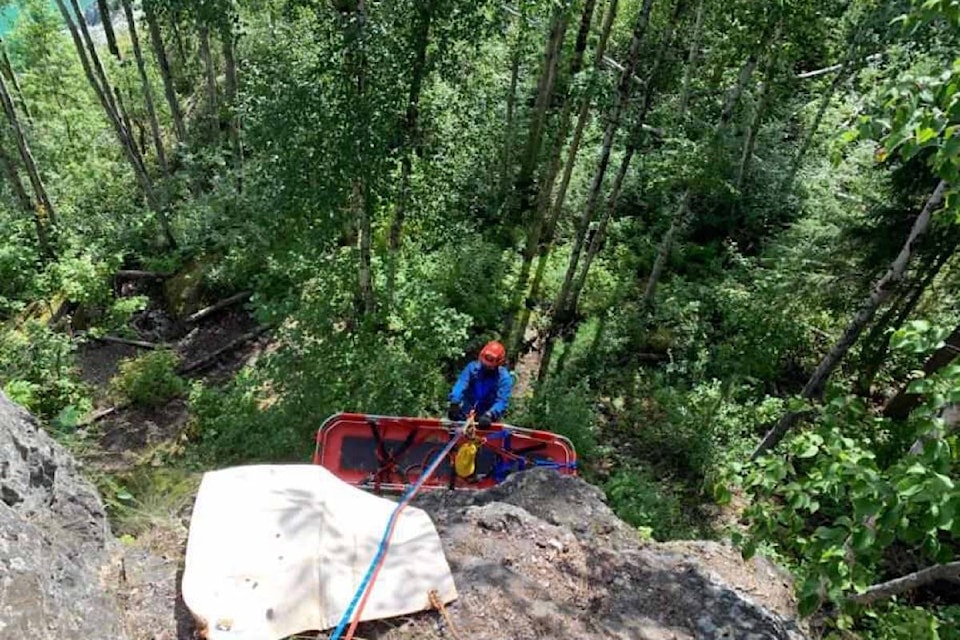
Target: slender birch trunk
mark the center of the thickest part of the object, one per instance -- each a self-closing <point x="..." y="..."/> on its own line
<point x="12" y="175"/>
<point x="160" y="53"/>
<point x="611" y="203"/>
<point x="231" y="85"/>
<point x="548" y="177"/>
<point x="525" y="187"/>
<point x="881" y="291"/>
<point x="749" y="146"/>
<point x="8" y="69"/>
<point x="692" y="56"/>
<point x="211" y="77"/>
<point x="510" y="124"/>
<point x="556" y="208"/>
<point x="104" y="10"/>
<point x="98" y="80"/>
<point x="147" y="89"/>
<point x="33" y="173"/>
<point x="876" y="345"/>
<point x="560" y="309"/>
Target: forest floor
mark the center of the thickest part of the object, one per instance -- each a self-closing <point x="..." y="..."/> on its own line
<point x="125" y="434"/>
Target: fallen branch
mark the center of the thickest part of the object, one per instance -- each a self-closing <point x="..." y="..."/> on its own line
<point x="135" y="274"/>
<point x="100" y="414"/>
<point x="207" y="311"/>
<point x="836" y="67"/>
<point x="211" y="358"/>
<point x="134" y="343"/>
<point x="884" y="590"/>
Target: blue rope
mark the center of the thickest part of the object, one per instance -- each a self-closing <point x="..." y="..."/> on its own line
<point x="384" y="541"/>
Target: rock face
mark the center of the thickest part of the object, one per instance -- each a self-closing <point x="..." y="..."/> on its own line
<point x="542" y="556"/>
<point x="54" y="540"/>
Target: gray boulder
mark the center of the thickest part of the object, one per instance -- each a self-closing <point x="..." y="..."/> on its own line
<point x="55" y="541"/>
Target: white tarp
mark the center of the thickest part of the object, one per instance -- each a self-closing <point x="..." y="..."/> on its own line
<point x="276" y="550"/>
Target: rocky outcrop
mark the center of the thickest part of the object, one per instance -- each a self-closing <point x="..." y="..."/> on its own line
<point x="54" y="540"/>
<point x="543" y="556"/>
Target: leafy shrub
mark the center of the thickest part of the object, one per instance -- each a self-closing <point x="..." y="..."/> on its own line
<point x="150" y="379"/>
<point x="650" y="504"/>
<point x="37" y="367"/>
<point x="228" y="426"/>
<point x="563" y="408"/>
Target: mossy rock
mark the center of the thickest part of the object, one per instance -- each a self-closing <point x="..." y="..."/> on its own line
<point x="184" y="292"/>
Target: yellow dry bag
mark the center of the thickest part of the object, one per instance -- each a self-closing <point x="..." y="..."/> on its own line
<point x="466" y="459"/>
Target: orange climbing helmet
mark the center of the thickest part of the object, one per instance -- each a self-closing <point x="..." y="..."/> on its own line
<point x="493" y="354"/>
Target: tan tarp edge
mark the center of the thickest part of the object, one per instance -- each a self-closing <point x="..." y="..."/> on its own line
<point x="276" y="550"/>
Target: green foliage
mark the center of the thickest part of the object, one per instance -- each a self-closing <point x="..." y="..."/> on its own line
<point x="565" y="408"/>
<point x="653" y="505"/>
<point x="150" y="379"/>
<point x="827" y="504"/>
<point x="147" y="500"/>
<point x="37" y="367"/>
<point x="895" y="621"/>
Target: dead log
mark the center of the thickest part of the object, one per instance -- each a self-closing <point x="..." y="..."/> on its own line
<point x="211" y="358"/>
<point x="142" y="344"/>
<point x="223" y="304"/>
<point x="136" y="274"/>
<point x="100" y="414"/>
<point x="884" y="590"/>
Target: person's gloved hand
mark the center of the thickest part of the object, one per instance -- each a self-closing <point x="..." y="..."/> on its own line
<point x="453" y="412"/>
<point x="485" y="421"/>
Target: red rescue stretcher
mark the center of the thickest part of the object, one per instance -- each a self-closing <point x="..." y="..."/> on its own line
<point x="389" y="453"/>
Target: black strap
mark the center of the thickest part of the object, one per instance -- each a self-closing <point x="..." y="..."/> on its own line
<point x="388" y="459"/>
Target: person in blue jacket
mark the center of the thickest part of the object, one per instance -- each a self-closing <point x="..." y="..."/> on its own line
<point x="483" y="386"/>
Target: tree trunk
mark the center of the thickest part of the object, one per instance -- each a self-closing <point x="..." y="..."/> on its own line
<point x="411" y="144"/>
<point x="750" y="144"/>
<point x="355" y="64"/>
<point x="510" y="125"/>
<point x="623" y="95"/>
<point x="159" y="52"/>
<point x="548" y="178"/>
<point x="230" y="65"/>
<point x="611" y="204"/>
<point x="98" y="80"/>
<point x="12" y="175"/>
<point x="8" y="69"/>
<point x="666" y="243"/>
<point x="846" y="67"/>
<point x="33" y="173"/>
<point x="525" y="186"/>
<point x="881" y="291"/>
<point x="949" y="571"/>
<point x="108" y="29"/>
<point x="876" y="345"/>
<point x="211" y="76"/>
<point x="550" y="222"/>
<point x="683" y="212"/>
<point x="560" y="308"/>
<point x="147" y="89"/>
<point x="900" y="406"/>
<point x="691" y="60"/>
<point x="101" y="75"/>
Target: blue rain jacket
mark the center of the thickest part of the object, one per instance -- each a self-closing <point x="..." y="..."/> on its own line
<point x="482" y="390"/>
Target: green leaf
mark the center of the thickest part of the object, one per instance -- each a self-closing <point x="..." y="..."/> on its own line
<point x="926" y="134"/>
<point x="809" y="451"/>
